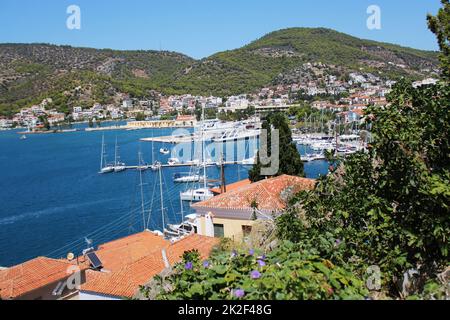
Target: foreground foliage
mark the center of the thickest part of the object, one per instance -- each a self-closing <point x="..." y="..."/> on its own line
<point x="283" y="274"/>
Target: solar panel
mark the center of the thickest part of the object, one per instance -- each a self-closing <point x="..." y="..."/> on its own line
<point x="95" y="261"/>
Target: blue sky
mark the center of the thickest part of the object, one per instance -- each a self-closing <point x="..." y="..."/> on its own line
<point x="202" y="27"/>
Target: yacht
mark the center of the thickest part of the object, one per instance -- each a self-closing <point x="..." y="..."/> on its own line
<point x="107" y="169"/>
<point x="142" y="165"/>
<point x="187" y="178"/>
<point x="104" y="167"/>
<point x="118" y="165"/>
<point x="196" y="195"/>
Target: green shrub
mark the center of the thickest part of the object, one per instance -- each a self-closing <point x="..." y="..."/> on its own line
<point x="283" y="274"/>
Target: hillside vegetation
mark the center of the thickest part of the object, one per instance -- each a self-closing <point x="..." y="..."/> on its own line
<point x="31" y="72"/>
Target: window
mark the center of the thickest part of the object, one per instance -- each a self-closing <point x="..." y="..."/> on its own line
<point x="246" y="230"/>
<point x="219" y="231"/>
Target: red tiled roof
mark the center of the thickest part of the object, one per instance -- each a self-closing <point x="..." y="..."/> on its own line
<point x="266" y="193"/>
<point x="31" y="275"/>
<point x="115" y="254"/>
<point x="232" y="186"/>
<point x="127" y="273"/>
<point x="186" y="118"/>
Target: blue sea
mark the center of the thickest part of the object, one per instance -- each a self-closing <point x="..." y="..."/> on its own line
<point x="53" y="201"/>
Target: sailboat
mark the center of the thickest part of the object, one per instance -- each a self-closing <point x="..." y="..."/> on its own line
<point x="188" y="226"/>
<point x="155" y="164"/>
<point x="200" y="194"/>
<point x="252" y="160"/>
<point x="142" y="165"/>
<point x="118" y="165"/>
<point x="105" y="168"/>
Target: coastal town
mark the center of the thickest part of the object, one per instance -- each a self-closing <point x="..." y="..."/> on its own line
<point x="297" y="164"/>
<point x="323" y="91"/>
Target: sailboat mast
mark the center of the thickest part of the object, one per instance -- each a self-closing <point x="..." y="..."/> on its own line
<point x="115" y="154"/>
<point x="153" y="150"/>
<point x="182" y="209"/>
<point x="102" y="152"/>
<point x="162" y="200"/>
<point x="142" y="191"/>
<point x="203" y="147"/>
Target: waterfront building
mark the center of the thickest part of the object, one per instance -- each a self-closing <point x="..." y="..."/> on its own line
<point x="231" y="214"/>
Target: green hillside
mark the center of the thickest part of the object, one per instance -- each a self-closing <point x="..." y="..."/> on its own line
<point x="81" y="76"/>
<point x="258" y="63"/>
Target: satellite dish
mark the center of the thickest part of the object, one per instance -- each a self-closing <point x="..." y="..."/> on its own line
<point x="70" y="256"/>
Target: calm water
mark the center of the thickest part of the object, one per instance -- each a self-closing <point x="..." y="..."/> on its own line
<point x="52" y="197"/>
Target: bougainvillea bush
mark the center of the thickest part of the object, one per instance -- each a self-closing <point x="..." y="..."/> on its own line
<point x="282" y="274"/>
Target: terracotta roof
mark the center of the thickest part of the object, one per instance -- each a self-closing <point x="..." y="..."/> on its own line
<point x="266" y="193"/>
<point x="115" y="254"/>
<point x="232" y="186"/>
<point x="129" y="272"/>
<point x="31" y="275"/>
<point x="203" y="244"/>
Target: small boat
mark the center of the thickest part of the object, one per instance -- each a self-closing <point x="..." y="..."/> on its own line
<point x="118" y="165"/>
<point x="164" y="151"/>
<point x="196" y="195"/>
<point x="178" y="178"/>
<point x="23" y="137"/>
<point x="104" y="166"/>
<point x="142" y="165"/>
<point x="155" y="166"/>
<point x="173" y="161"/>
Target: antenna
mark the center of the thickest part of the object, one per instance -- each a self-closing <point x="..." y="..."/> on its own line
<point x="88" y="241"/>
